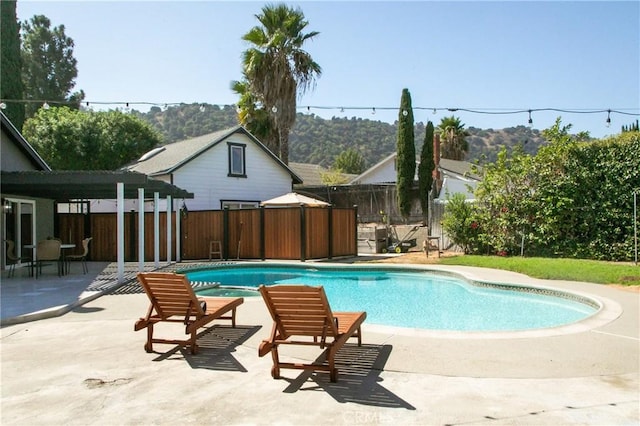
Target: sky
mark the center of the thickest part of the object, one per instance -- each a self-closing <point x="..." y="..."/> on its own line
<point x="491" y="57"/>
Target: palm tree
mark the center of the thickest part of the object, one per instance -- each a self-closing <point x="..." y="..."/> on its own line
<point x="452" y="136"/>
<point x="277" y="69"/>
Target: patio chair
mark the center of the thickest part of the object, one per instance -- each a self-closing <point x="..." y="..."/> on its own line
<point x="300" y="313"/>
<point x="173" y="300"/>
<point x="12" y="258"/>
<point x="81" y="257"/>
<point x="47" y="251"/>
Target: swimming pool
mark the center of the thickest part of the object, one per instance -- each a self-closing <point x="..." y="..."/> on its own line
<point x="413" y="298"/>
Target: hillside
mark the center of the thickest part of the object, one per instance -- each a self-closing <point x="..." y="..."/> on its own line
<point x="318" y="141"/>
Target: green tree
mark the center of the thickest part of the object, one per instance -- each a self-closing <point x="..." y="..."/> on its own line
<point x="406" y="154"/>
<point x="49" y="68"/>
<point x="11" y="63"/>
<point x="425" y="170"/>
<point x="254" y="117"/>
<point x="69" y="139"/>
<point x="277" y="69"/>
<point x="349" y="161"/>
<point x="453" y="144"/>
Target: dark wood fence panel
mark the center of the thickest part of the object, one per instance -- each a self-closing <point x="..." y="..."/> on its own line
<point x="279" y="230"/>
<point x="244" y="234"/>
<point x="198" y="229"/>
<point x="344" y="232"/>
<point x="282" y="230"/>
<point x="317" y="233"/>
<point x="72" y="231"/>
<point x="103" y="231"/>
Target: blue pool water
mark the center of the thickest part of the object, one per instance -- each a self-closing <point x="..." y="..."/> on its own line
<point x="416" y="299"/>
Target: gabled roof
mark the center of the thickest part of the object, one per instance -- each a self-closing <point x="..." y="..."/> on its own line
<point x="374" y="168"/>
<point x="311" y="174"/>
<point x="168" y="158"/>
<point x="461" y="168"/>
<point x="22" y="143"/>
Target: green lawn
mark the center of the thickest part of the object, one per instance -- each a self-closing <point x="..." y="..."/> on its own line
<point x="556" y="269"/>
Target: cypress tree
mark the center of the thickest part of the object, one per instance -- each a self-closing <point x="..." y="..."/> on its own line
<point x="425" y="170"/>
<point x="405" y="154"/>
<point x="11" y="63"/>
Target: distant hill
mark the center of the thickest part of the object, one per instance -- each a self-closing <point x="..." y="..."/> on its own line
<point x="318" y="141"/>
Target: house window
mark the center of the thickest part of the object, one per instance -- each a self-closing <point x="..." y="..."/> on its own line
<point x="237" y="160"/>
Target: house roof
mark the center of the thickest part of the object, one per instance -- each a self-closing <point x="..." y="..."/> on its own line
<point x="461" y="168"/>
<point x="374" y="168"/>
<point x="170" y="157"/>
<point x="63" y="186"/>
<point x="311" y="174"/>
<point x="22" y="143"/>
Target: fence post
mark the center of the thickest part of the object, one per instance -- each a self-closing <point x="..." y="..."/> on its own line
<point x="303" y="234"/>
<point x="355" y="224"/>
<point x="262" y="240"/>
<point x="225" y="232"/>
<point x="330" y="226"/>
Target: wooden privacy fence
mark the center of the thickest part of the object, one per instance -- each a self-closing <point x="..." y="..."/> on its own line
<point x="288" y="233"/>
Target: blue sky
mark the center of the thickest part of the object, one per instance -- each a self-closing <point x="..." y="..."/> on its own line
<point x="489" y="56"/>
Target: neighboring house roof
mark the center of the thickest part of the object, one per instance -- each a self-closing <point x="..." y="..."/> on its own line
<point x="460" y="168"/>
<point x="22" y="144"/>
<point x="312" y="174"/>
<point x="373" y="169"/>
<point x="168" y="158"/>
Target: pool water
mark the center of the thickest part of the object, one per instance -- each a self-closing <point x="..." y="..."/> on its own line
<point x="416" y="299"/>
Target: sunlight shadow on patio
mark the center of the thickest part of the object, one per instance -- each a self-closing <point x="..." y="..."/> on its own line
<point x="358" y="378"/>
<point x="215" y="347"/>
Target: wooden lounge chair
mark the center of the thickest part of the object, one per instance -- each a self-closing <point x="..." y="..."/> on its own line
<point x="300" y="313"/>
<point x="173" y="300"/>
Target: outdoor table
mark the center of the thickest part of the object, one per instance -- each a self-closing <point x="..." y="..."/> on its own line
<point x="63" y="247"/>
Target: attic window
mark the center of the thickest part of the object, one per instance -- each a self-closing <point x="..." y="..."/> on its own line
<point x="152" y="153"/>
<point x="237" y="160"/>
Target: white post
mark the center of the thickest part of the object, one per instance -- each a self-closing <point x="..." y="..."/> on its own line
<point x="169" y="208"/>
<point x="141" y="229"/>
<point x="120" y="229"/>
<point x="156" y="230"/>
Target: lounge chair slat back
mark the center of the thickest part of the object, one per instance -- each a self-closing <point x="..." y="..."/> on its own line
<point x="171" y="294"/>
<point x="173" y="300"/>
<point x="300" y="310"/>
<point x="304" y="311"/>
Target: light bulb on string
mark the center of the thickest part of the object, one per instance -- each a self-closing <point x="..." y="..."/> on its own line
<point x="45" y="105"/>
<point x="530" y="119"/>
<point x="608" y="122"/>
<point x="373" y="111"/>
<point x="3" y="105"/>
<point x="404" y="112"/>
<point x="274" y="109"/>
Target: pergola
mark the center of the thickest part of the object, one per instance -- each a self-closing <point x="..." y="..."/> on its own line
<point x="67" y="186"/>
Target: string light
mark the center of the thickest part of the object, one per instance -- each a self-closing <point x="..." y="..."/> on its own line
<point x="487" y="111"/>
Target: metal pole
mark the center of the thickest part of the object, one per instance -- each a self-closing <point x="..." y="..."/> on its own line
<point x="635" y="223"/>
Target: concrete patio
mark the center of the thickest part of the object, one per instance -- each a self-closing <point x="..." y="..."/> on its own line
<point x="88" y="366"/>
